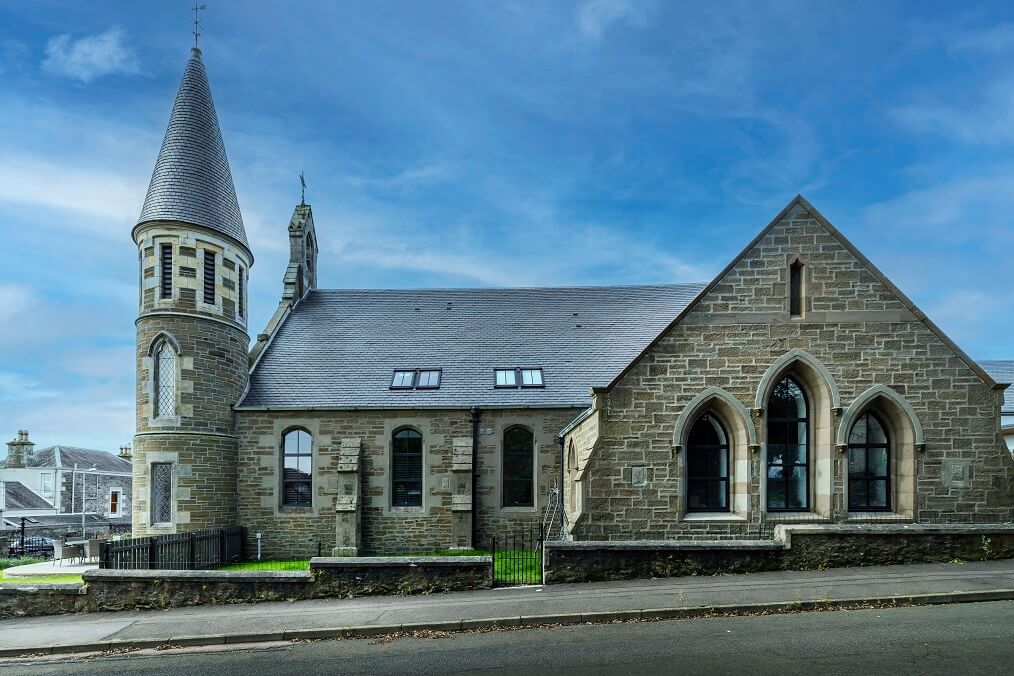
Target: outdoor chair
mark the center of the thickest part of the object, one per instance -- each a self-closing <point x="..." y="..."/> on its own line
<point x="94" y="547"/>
<point x="62" y="550"/>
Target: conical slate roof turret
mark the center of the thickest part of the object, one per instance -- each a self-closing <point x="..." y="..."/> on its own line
<point x="192" y="181"/>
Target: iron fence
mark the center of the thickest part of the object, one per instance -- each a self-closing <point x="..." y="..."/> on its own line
<point x="517" y="556"/>
<point x="194" y="550"/>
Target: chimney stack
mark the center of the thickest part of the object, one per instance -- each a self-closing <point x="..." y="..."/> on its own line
<point x="19" y="450"/>
<point x="125" y="452"/>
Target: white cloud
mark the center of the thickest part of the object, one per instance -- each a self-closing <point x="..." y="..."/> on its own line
<point x="595" y="17"/>
<point x="14" y="299"/>
<point x="90" y="57"/>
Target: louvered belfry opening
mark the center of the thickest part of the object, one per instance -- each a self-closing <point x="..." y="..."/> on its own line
<point x="239" y="286"/>
<point x="209" y="277"/>
<point x="167" y="270"/>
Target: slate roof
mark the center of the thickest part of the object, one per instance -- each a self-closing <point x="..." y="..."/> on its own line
<point x="339" y="348"/>
<point x="85" y="458"/>
<point x="192" y="181"/>
<point x="19" y="496"/>
<point x="1002" y="371"/>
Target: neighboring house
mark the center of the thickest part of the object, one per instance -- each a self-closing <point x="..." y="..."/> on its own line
<point x="18" y="500"/>
<point x="71" y="480"/>
<point x="800" y="382"/>
<point x="1003" y="371"/>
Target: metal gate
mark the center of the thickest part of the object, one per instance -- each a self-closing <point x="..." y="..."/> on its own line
<point x="517" y="556"/>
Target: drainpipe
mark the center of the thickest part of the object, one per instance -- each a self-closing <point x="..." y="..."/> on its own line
<point x="476" y="417"/>
<point x="559" y="497"/>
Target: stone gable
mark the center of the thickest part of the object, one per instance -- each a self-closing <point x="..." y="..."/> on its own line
<point x="852" y="324"/>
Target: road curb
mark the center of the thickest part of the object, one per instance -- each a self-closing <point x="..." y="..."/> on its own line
<point x="598" y="617"/>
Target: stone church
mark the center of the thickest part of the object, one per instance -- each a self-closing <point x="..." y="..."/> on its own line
<point x="799" y="382"/>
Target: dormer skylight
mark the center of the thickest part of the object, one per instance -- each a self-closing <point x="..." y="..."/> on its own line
<point x="417" y="379"/>
<point x="518" y="377"/>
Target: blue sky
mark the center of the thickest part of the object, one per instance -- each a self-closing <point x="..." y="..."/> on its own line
<point x="495" y="143"/>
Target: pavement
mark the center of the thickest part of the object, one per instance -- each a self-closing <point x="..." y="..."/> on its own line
<point x="46" y="568"/>
<point x="757" y="593"/>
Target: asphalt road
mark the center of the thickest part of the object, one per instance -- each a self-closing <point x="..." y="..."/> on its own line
<point x="956" y="639"/>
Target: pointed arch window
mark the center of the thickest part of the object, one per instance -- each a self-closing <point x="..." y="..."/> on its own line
<point x="788" y="448"/>
<point x="406" y="468"/>
<point x="518" y="467"/>
<point x="707" y="466"/>
<point x="165" y="380"/>
<point x="869" y="465"/>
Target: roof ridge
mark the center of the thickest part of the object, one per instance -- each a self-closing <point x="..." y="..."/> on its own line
<point x="512" y="288"/>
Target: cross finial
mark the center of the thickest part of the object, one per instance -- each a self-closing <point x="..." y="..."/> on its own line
<point x="302" y="189"/>
<point x="197" y="23"/>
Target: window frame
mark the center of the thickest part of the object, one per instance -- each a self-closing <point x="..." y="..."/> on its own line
<point x="530" y="476"/>
<point x="165" y="275"/>
<point x="118" y="492"/>
<point x="414" y="500"/>
<point x="209" y="274"/>
<point x="153" y="507"/>
<point x="807" y="506"/>
<point x="308" y="481"/>
<point x="797" y="287"/>
<point x="867" y="478"/>
<point x="725" y="448"/>
<point x="416" y="377"/>
<point x="519" y="381"/>
<point x="158" y="378"/>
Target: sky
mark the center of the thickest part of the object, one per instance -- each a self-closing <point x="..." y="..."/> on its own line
<point x="498" y="143"/>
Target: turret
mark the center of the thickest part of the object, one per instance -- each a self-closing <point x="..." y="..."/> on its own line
<point x="191" y="328"/>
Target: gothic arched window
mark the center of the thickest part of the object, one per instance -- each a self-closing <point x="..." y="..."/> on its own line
<point x="518" y="467"/>
<point x="788" y="448"/>
<point x="165" y="380"/>
<point x="707" y="466"/>
<point x="869" y="465"/>
<point x="297" y="468"/>
<point x="406" y="468"/>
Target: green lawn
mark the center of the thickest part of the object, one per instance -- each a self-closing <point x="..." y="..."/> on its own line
<point x="42" y="579"/>
<point x="294" y="564"/>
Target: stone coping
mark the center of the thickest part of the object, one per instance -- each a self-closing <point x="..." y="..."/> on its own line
<point x="783" y="536"/>
<point x="318" y="562"/>
<point x="198" y="575"/>
<point x="48" y="588"/>
<point x="664" y="545"/>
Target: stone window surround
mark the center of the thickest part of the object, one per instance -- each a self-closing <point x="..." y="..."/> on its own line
<point x="517" y="509"/>
<point x="119" y="500"/>
<point x="281" y="469"/>
<point x="157" y="241"/>
<point x="906" y="438"/>
<point x="742" y="438"/>
<point x="790" y="260"/>
<point x="904" y="429"/>
<point x="203" y="245"/>
<point x="429" y="441"/>
<point x="154" y="458"/>
<point x="312" y="427"/>
<point x="500" y="426"/>
<point x="823" y="399"/>
<point x="150" y="385"/>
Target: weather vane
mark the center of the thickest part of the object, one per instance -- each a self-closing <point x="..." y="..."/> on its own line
<point x="302" y="189"/>
<point x="197" y="23"/>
